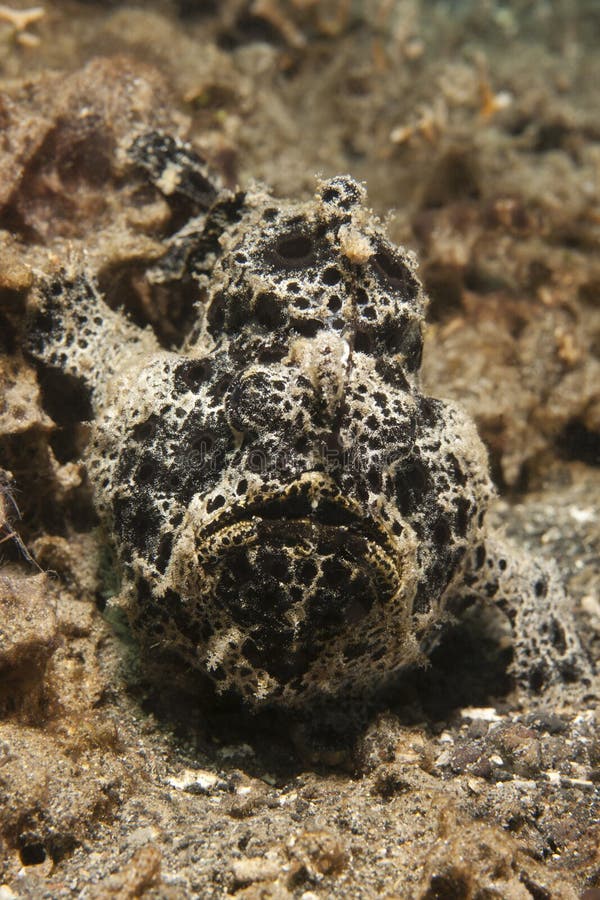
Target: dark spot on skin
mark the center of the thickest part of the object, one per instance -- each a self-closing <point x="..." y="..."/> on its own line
<point x="307" y="572"/>
<point x="219" y="388"/>
<point x="374" y="479"/>
<point x="391" y="371"/>
<point x="331" y="276"/>
<point x="146" y="430"/>
<point x="537" y="678"/>
<point x="364" y="342"/>
<point x="268" y="311"/>
<point x="330" y="195"/>
<point x="301" y="303"/>
<point x="430" y="410"/>
<point x="491" y="589"/>
<point x="458" y="475"/>
<point x="479" y="556"/>
<point x="136" y="521"/>
<point x="216" y="313"/>
<point x="441" y="533"/>
<point x="215" y="503"/>
<point x="163" y="553"/>
<point x="192" y="373"/>
<point x="411" y="483"/>
<point x="557" y="636"/>
<point x="307" y="327"/>
<point x="462" y="516"/>
<point x="412" y="349"/>
<point x="147" y="470"/>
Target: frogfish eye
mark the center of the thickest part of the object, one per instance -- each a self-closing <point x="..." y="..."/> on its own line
<point x="395" y="272"/>
<point x="294" y="250"/>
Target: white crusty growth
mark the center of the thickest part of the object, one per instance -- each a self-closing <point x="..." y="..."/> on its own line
<point x="294" y="517"/>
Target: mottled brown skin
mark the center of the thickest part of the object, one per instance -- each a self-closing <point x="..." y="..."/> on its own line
<point x="294" y="517"/>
